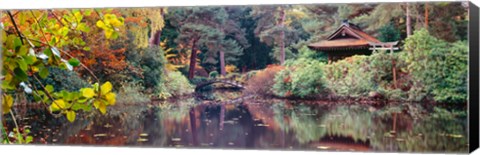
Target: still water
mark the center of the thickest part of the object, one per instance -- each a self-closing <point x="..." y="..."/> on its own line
<point x="261" y="124"/>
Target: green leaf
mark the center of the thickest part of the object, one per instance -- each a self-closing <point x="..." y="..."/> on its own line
<point x="48" y="52"/>
<point x="30" y="59"/>
<point x="4" y="36"/>
<point x="17" y="42"/>
<point x="71" y="115"/>
<point x="49" y="88"/>
<point x="20" y="74"/>
<point x="22" y="51"/>
<point x="43" y="72"/>
<point x="74" y="62"/>
<point x="22" y="64"/>
<point x="86" y="48"/>
<point x="80" y="106"/>
<point x="29" y="139"/>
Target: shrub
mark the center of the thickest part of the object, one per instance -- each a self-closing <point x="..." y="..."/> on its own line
<point x="131" y="93"/>
<point x="198" y="80"/>
<point x="62" y="79"/>
<point x="152" y="63"/>
<point x="350" y="77"/>
<point x="213" y="74"/>
<point x="303" y="78"/>
<point x="178" y="85"/>
<point x="262" y="81"/>
<point x="307" y="53"/>
<point x="438" y="69"/>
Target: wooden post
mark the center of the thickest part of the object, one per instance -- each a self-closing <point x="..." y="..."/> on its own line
<point x="394" y="69"/>
<point x="395" y="122"/>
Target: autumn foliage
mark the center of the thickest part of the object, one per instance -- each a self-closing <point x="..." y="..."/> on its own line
<point x="262" y="81"/>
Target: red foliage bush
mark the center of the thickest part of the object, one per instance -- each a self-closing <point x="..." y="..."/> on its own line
<point x="263" y="80"/>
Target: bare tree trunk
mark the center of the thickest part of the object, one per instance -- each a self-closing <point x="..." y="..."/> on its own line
<point x="155" y="36"/>
<point x="282" y="35"/>
<point x="222" y="63"/>
<point x="155" y="39"/>
<point x="408" y="21"/>
<point x="193" y="60"/>
<point x="426" y="15"/>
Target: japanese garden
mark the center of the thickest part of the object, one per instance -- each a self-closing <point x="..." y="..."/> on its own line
<point x="390" y="77"/>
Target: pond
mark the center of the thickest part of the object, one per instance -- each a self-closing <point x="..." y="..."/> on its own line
<point x="271" y="124"/>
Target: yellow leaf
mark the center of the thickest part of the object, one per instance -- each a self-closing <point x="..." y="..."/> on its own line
<point x="71" y="115"/>
<point x="110" y="98"/>
<point x="106" y="87"/>
<point x="108" y="33"/>
<point x="57" y="105"/>
<point x="101" y="24"/>
<point x="96" y="103"/>
<point x="88" y="92"/>
<point x="7" y="103"/>
<point x="103" y="108"/>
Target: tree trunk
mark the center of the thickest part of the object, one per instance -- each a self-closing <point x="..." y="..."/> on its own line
<point x="426" y="15"/>
<point x="282" y="36"/>
<point x="222" y="63"/>
<point x="155" y="39"/>
<point x="193" y="60"/>
<point x="408" y="20"/>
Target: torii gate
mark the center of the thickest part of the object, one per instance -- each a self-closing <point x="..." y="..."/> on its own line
<point x="387" y="46"/>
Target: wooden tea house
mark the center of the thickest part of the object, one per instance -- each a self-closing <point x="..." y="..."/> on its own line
<point x="349" y="40"/>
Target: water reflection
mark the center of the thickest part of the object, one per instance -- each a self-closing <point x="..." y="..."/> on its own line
<point x="265" y="124"/>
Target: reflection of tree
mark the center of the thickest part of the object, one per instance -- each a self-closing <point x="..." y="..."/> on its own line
<point x="439" y="131"/>
<point x="304" y="124"/>
<point x="112" y="127"/>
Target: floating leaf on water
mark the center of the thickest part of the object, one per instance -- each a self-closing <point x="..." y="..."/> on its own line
<point x="100" y="135"/>
<point x="144" y="134"/>
<point x="262" y="125"/>
<point x="142" y="140"/>
<point x="323" y="147"/>
<point x="455" y="136"/>
<point x="176" y="139"/>
<point x="108" y="125"/>
<point x="388" y="135"/>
